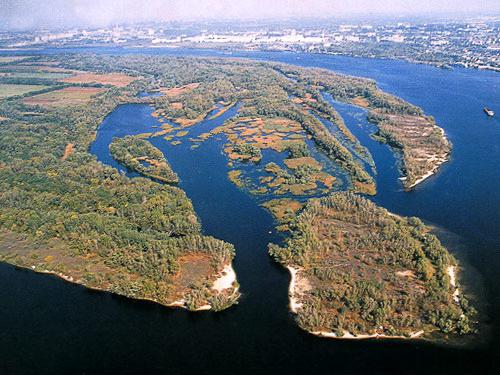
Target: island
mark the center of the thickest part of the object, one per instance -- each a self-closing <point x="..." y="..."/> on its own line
<point x="359" y="271"/>
<point x="140" y="156"/>
<point x="420" y="143"/>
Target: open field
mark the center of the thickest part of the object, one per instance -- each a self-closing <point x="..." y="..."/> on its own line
<point x="37" y="75"/>
<point x="9" y="59"/>
<point x="65" y="97"/>
<point x="113" y="79"/>
<point x="7" y="90"/>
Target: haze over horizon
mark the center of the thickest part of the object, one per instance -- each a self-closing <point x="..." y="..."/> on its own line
<point x="27" y="14"/>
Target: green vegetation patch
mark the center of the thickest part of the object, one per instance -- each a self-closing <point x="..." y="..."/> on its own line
<point x="140" y="156"/>
<point x="304" y="179"/>
<point x="39" y="75"/>
<point x="9" y="90"/>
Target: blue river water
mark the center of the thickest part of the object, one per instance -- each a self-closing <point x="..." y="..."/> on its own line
<point x="49" y="326"/>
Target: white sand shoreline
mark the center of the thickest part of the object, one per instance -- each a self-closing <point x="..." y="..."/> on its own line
<point x="349" y="336"/>
<point x="434" y="169"/>
<point x="223" y="282"/>
<point x="294" y="304"/>
<point x="432" y="172"/>
<point x="452" y="272"/>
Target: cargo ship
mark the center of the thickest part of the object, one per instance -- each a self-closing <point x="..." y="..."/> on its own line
<point x="488" y="111"/>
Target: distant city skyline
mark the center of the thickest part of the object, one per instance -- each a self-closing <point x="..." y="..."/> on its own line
<point x="27" y="14"/>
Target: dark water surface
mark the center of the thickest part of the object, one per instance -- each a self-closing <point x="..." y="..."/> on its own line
<point x="50" y="326"/>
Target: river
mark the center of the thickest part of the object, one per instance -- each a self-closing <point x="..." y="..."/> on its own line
<point x="50" y="326"/>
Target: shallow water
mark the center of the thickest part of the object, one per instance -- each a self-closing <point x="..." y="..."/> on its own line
<point x="52" y="326"/>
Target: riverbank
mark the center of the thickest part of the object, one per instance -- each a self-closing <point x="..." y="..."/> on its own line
<point x="437" y="164"/>
<point x="225" y="282"/>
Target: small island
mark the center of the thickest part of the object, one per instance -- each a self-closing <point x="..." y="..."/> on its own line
<point x="140" y="156"/>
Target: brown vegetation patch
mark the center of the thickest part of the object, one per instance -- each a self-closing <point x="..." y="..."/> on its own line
<point x="326" y="179"/>
<point x="70" y="148"/>
<point x="361" y="102"/>
<point x="284" y="209"/>
<point x="234" y="176"/>
<point x="423" y="144"/>
<point x="301" y="189"/>
<point x="365" y="188"/>
<point x="176" y="105"/>
<point x="186" y="122"/>
<point x="113" y="79"/>
<point x="307" y="160"/>
<point x="176" y="91"/>
<point x="194" y="268"/>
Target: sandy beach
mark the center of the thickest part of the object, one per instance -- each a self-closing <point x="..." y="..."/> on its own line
<point x="438" y="161"/>
<point x="452" y="272"/>
<point x="223" y="282"/>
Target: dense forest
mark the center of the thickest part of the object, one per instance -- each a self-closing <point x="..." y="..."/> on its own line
<point x="364" y="271"/>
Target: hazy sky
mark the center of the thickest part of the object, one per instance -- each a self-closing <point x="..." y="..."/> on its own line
<point x="22" y="14"/>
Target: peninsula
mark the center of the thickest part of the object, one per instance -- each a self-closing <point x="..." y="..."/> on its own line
<point x="359" y="271"/>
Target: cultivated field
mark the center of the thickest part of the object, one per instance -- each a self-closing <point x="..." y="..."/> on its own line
<point x="68" y="96"/>
<point x="113" y="79"/>
<point x="37" y="75"/>
<point x="7" y="90"/>
<point x="9" y="59"/>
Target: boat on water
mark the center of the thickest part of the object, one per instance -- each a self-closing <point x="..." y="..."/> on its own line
<point x="488" y="111"/>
